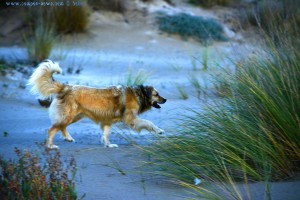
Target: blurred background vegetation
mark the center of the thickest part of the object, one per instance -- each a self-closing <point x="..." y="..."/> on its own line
<point x="210" y="3"/>
<point x="45" y="25"/>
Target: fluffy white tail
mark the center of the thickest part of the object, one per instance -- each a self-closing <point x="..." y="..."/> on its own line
<point x="41" y="81"/>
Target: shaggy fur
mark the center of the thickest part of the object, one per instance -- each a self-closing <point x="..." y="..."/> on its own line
<point x="104" y="106"/>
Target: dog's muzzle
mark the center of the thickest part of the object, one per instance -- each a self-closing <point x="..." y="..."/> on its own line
<point x="155" y="103"/>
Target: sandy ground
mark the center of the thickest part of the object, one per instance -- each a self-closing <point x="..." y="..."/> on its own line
<point x="99" y="169"/>
<point x="105" y="55"/>
<point x="98" y="176"/>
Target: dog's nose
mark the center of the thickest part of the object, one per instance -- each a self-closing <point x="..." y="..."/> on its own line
<point x="164" y="101"/>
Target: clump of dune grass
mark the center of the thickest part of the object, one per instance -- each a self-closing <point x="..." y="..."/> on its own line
<point x="182" y="93"/>
<point x="251" y="135"/>
<point x="70" y="18"/>
<point x="113" y="5"/>
<point x="188" y="26"/>
<point x="276" y="18"/>
<point x="202" y="60"/>
<point x="138" y="78"/>
<point x="47" y="23"/>
<point x="205" y="56"/>
<point x="196" y="85"/>
<point x="37" y="177"/>
<point x="41" y="42"/>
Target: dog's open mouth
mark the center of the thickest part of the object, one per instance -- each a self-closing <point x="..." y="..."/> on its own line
<point x="155" y="103"/>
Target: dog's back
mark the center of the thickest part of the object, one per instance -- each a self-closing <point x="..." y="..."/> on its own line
<point x="100" y="105"/>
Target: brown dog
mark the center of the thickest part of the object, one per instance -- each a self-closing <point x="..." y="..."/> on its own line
<point x="103" y="106"/>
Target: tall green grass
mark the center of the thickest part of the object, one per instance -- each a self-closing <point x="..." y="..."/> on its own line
<point x="41" y="43"/>
<point x="71" y="17"/>
<point x="181" y="91"/>
<point x="46" y="24"/>
<point x="276" y="18"/>
<point x="138" y="78"/>
<point x="250" y="135"/>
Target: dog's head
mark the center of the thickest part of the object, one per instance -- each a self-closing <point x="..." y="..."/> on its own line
<point x="153" y="96"/>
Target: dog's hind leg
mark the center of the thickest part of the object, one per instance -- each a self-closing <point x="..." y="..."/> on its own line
<point x="64" y="131"/>
<point x="51" y="133"/>
<point x="59" y="126"/>
<point x="105" y="140"/>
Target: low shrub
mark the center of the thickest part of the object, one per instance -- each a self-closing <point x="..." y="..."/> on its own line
<point x="188" y="26"/>
<point x="34" y="177"/>
<point x="210" y="3"/>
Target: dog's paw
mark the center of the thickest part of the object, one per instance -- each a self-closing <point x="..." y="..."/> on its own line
<point x="111" y="146"/>
<point x="159" y="131"/>
<point x="70" y="140"/>
<point x="52" y="146"/>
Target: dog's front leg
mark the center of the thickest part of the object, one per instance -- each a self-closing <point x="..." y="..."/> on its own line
<point x="66" y="135"/>
<point x="139" y="124"/>
<point x="105" y="140"/>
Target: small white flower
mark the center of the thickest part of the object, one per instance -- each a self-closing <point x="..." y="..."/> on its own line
<point x="197" y="181"/>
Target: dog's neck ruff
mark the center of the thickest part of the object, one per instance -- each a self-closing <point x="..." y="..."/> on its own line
<point x="143" y="99"/>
